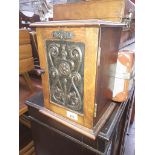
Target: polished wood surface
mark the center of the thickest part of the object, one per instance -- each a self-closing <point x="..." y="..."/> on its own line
<point x="109" y="44"/>
<point x="49" y="135"/>
<point x="101" y="45"/>
<point x="81" y="129"/>
<point x="85" y="36"/>
<point x="73" y="138"/>
<point x="112" y="10"/>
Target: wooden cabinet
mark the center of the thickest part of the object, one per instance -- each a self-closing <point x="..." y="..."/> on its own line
<point x="75" y="57"/>
<point x="109" y="10"/>
<point x="122" y="11"/>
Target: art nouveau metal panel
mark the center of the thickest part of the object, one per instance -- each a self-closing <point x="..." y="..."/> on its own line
<point x="65" y="61"/>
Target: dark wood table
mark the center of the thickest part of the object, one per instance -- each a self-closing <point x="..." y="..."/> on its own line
<point x="52" y="138"/>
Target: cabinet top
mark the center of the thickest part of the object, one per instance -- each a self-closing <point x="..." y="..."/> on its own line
<point x="75" y="23"/>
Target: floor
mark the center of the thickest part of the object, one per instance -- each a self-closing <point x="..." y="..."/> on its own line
<point x="130" y="141"/>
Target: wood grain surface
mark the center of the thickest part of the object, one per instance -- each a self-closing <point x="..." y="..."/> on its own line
<point x="26" y="65"/>
<point x="112" y="10"/>
<point x="25" y="51"/>
<point x="84" y="35"/>
<point x="101" y="47"/>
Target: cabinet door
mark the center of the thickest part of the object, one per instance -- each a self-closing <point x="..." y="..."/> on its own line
<point x="69" y="56"/>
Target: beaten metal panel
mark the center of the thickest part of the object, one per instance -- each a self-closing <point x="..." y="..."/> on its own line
<point x="66" y="73"/>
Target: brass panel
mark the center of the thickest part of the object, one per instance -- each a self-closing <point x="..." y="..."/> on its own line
<point x="65" y="61"/>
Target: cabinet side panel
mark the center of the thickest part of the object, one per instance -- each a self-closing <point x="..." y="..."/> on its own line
<point x="90" y="69"/>
<point x="109" y="43"/>
<point x="42" y="60"/>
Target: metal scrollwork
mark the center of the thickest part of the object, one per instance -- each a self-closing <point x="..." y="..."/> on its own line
<point x="62" y="34"/>
<point x="66" y="70"/>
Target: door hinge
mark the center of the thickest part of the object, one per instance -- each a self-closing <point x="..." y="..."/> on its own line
<point x="95" y="110"/>
<point x="98" y="56"/>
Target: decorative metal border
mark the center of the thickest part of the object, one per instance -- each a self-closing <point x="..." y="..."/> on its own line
<point x="62" y="35"/>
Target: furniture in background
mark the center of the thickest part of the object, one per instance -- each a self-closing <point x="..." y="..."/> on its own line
<point x="25" y="21"/>
<point x="26" y="145"/>
<point x="26" y="62"/>
<point x="122" y="11"/>
<point x="28" y="86"/>
<point x="34" y="44"/>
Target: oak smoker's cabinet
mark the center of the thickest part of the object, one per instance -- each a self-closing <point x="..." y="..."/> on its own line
<point x="75" y="57"/>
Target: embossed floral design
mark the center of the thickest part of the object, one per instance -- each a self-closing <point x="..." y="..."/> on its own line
<point x="65" y="68"/>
